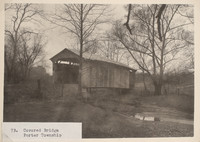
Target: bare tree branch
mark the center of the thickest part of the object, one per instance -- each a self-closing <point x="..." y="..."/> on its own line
<point x="128" y="18"/>
<point x="158" y="20"/>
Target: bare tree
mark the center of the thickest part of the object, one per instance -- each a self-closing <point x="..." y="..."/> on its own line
<point x="108" y="49"/>
<point x="21" y="15"/>
<point x="80" y="20"/>
<point x="153" y="41"/>
<point x="31" y="49"/>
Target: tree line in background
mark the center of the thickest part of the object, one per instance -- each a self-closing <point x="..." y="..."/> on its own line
<point x="152" y="38"/>
<point x="24" y="46"/>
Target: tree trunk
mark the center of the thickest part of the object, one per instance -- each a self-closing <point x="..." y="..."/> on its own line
<point x="13" y="62"/>
<point x="143" y="78"/>
<point x="80" y="78"/>
<point x="157" y="89"/>
<point x="7" y="73"/>
<point x="81" y="53"/>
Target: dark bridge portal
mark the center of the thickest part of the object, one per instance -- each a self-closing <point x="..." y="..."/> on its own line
<point x="67" y="73"/>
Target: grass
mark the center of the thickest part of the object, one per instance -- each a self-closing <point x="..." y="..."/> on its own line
<point x="101" y="114"/>
<point x="180" y="102"/>
<point x="97" y="122"/>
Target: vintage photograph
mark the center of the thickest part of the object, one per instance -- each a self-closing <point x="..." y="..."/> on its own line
<point x="122" y="70"/>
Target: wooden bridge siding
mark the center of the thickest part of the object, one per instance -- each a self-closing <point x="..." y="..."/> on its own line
<point x="104" y="75"/>
<point x="132" y="80"/>
<point x="121" y="78"/>
<point x="86" y="76"/>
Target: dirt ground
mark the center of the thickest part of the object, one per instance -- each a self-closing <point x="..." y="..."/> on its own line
<point x="111" y="117"/>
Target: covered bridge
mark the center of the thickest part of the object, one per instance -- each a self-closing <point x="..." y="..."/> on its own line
<point x="97" y="72"/>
